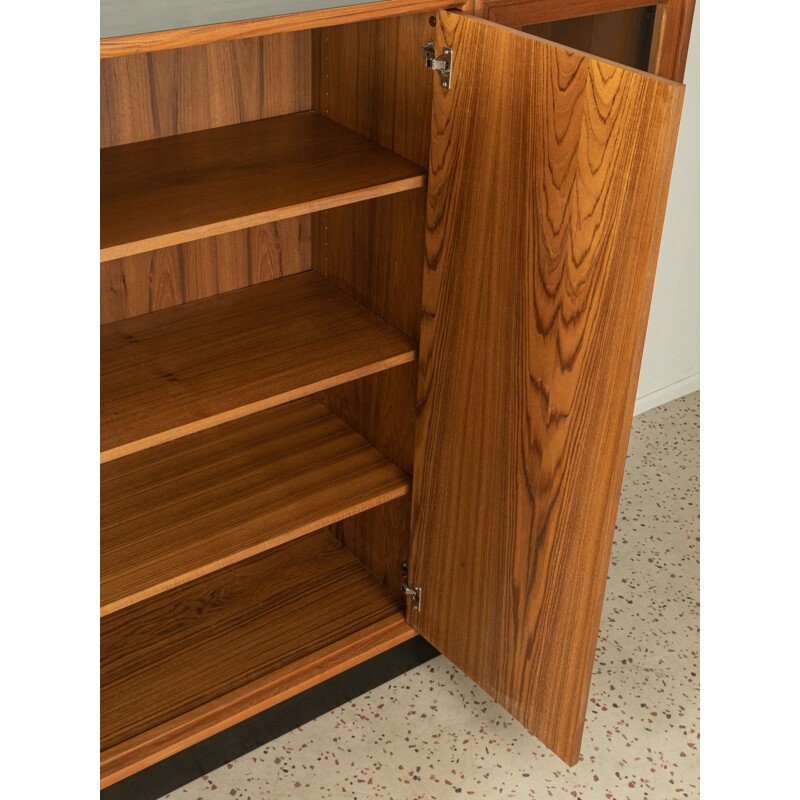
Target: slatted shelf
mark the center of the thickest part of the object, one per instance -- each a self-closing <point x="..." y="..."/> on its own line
<point x="184" y="369"/>
<point x="177" y="189"/>
<point x="189" y="662"/>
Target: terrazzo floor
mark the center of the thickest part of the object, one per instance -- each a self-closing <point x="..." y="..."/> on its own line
<point x="432" y="733"/>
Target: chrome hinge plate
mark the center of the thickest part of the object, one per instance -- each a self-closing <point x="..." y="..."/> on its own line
<point x="414" y="592"/>
<point x="443" y="64"/>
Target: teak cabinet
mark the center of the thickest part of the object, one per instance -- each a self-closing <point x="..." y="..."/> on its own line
<point x="353" y="319"/>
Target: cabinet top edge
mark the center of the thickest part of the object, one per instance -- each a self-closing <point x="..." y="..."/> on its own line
<point x="141" y="26"/>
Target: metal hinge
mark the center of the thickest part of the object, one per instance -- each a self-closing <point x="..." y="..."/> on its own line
<point x="414" y="592"/>
<point x="443" y="65"/>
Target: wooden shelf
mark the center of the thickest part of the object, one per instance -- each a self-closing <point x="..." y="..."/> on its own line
<point x="187" y="663"/>
<point x="176" y="189"/>
<point x="189" y="507"/>
<point x="181" y="370"/>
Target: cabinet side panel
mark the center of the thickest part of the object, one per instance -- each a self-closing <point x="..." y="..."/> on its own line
<point x="374" y="252"/>
<point x="171" y="276"/>
<point x="150" y="95"/>
<point x="379" y="539"/>
<point x="370" y="77"/>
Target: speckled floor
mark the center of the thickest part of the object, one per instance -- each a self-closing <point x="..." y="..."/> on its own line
<point x="434" y="734"/>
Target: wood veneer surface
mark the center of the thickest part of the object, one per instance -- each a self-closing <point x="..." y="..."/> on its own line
<point x="370" y="78"/>
<point x="188" y="368"/>
<point x="183" y="273"/>
<point x="624" y="36"/>
<point x="545" y="203"/>
<point x="219" y="649"/>
<point x="152" y="95"/>
<point x="183" y="33"/>
<point x="189" y="507"/>
<point x="175" y="189"/>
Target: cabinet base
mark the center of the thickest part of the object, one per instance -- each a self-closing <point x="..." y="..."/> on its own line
<point x="223" y="747"/>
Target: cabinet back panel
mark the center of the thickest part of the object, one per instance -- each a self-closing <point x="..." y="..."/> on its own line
<point x="150" y="95"/>
<point x="171" y="276"/>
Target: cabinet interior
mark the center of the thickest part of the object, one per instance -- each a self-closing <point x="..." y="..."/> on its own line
<point x="625" y="36"/>
<point x="258" y="370"/>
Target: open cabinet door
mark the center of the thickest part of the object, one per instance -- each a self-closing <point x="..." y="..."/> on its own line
<point x="548" y="179"/>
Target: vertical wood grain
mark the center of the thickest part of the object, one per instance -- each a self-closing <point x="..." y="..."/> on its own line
<point x="369" y="76"/>
<point x="171" y="276"/>
<point x="374" y="252"/>
<point x="673" y="26"/>
<point x="546" y="196"/>
<point x="150" y="95"/>
<point x="379" y="539"/>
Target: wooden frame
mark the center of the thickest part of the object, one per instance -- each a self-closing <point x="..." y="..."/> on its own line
<point x="670" y="37"/>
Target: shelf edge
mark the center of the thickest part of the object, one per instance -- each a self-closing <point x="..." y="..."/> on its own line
<point x="183" y="236"/>
<point x="171" y="737"/>
<point x="262" y="547"/>
<point x="252" y="408"/>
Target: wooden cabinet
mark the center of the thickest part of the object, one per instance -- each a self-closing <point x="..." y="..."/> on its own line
<point x="358" y="313"/>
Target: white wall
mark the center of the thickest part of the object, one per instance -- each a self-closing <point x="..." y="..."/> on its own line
<point x="671" y="360"/>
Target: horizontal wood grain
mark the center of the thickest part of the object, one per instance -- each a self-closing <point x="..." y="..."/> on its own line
<point x="171" y="276"/>
<point x="515" y="13"/>
<point x="175" y="189"/>
<point x="181" y="370"/>
<point x="241" y="29"/>
<point x="185" y="664"/>
<point x="176" y="512"/>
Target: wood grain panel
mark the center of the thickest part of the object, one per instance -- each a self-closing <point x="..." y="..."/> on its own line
<point x="241" y="29"/>
<point x="381" y="407"/>
<point x="176" y="512"/>
<point x="179" y="91"/>
<point x="370" y="77"/>
<point x="673" y="26"/>
<point x="622" y="36"/>
<point x="673" y="23"/>
<point x="158" y="743"/>
<point x="515" y="13"/>
<point x="546" y="195"/>
<point x="374" y="252"/>
<point x="174" y="372"/>
<point x="180" y="188"/>
<point x="171" y="276"/>
<point x="379" y="539"/>
<point x="204" y="655"/>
